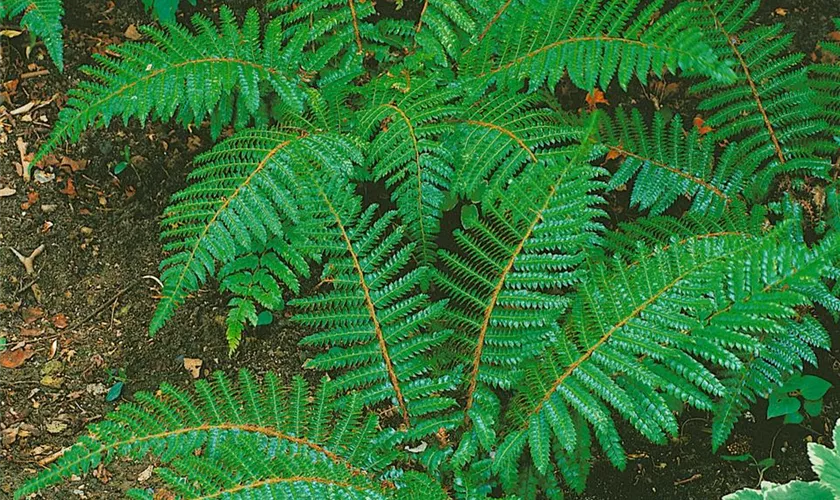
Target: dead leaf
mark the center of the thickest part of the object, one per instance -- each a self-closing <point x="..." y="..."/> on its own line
<point x="132" y="33"/>
<point x="59" y="321"/>
<point x="699" y="124"/>
<point x="834" y="36"/>
<point x="193" y="365"/>
<point x="70" y="189"/>
<point x="74" y="165"/>
<point x="7" y="191"/>
<point x="781" y="12"/>
<point x="32" y="314"/>
<point x="56" y="427"/>
<point x="594" y="98"/>
<point x="31" y="199"/>
<point x="146" y="474"/>
<point x="30" y="332"/>
<point x="13" y="359"/>
<point x="613" y="154"/>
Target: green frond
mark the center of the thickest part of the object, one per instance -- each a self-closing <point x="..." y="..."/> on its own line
<point x="666" y="163"/>
<point x="825" y="80"/>
<point x="663" y="325"/>
<point x="406" y="133"/>
<point x="43" y="19"/>
<point x="769" y="108"/>
<point x="220" y="73"/>
<point x="786" y="340"/>
<point x="236" y="440"/>
<point x="500" y="134"/>
<point x="634" y="240"/>
<point x="594" y="42"/>
<point x="506" y="280"/>
<point x="331" y="31"/>
<point x="258" y="280"/>
<point x="375" y="320"/>
<point x="245" y="191"/>
<point x="446" y="26"/>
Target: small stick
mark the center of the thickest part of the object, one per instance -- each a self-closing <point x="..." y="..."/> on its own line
<point x="28" y="262"/>
<point x="34" y="74"/>
<point x="688" y="480"/>
<point x="104" y="306"/>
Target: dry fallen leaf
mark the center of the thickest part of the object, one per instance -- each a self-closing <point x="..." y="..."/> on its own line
<point x="699" y="124"/>
<point x="146" y="474"/>
<point x="132" y="33"/>
<point x="613" y="154"/>
<point x="594" y="98"/>
<point x="193" y="365"/>
<point x="59" y="321"/>
<point x="32" y="314"/>
<point x="13" y="359"/>
<point x="7" y="191"/>
<point x="781" y="12"/>
<point x="56" y="427"/>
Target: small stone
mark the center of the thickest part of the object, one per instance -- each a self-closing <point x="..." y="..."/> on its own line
<point x="96" y="389"/>
<point x="87" y="231"/>
<point x="56" y="427"/>
<point x="48" y="208"/>
<point x="52" y="367"/>
<point x="52" y="382"/>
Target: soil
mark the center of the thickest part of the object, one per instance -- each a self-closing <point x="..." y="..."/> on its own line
<point x="101" y="242"/>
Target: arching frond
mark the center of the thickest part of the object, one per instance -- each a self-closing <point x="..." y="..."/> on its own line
<point x="232" y="440"/>
<point x="219" y="73"/>
<point x="407" y="134"/>
<point x="769" y="108"/>
<point x="43" y="19"/>
<point x="244" y="191"/>
<point x="538" y="41"/>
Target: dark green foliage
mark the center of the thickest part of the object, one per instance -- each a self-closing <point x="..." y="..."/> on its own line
<point x="668" y="162"/>
<point x="770" y="108"/>
<point x="43" y="19"/>
<point x="164" y="10"/>
<point x="220" y="73"/>
<point x="595" y="42"/>
<point x="242" y="439"/>
<point x="500" y="348"/>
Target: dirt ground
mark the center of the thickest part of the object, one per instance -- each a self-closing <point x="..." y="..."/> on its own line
<point x="100" y="234"/>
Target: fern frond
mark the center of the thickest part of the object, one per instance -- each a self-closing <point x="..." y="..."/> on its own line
<point x="500" y="134"/>
<point x="595" y="42"/>
<point x="331" y="30"/>
<point x="769" y="108"/>
<point x="825" y="78"/>
<point x="258" y="279"/>
<point x="446" y="26"/>
<point x="666" y="163"/>
<point x="220" y="73"/>
<point x="236" y="439"/>
<point x="506" y="280"/>
<point x="787" y="341"/>
<point x="406" y="134"/>
<point x="375" y="320"/>
<point x="653" y="327"/>
<point x="244" y="191"/>
<point x="43" y="19"/>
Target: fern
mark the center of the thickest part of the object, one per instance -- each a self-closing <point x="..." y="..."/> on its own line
<point x="505" y="279"/>
<point x="235" y="440"/>
<point x="595" y="42"/>
<point x="217" y="72"/>
<point x="407" y="149"/>
<point x="258" y="279"/>
<point x="770" y="108"/>
<point x="668" y="163"/>
<point x="824" y="80"/>
<point x="625" y="355"/>
<point x="245" y="190"/>
<point x="376" y="321"/>
<point x="43" y="19"/>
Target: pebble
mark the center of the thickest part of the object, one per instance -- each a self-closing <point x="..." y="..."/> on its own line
<point x="52" y="382"/>
<point x="87" y="231"/>
<point x="52" y="367"/>
<point x="48" y="208"/>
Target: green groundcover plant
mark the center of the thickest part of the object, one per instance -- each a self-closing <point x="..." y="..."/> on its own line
<point x="487" y="326"/>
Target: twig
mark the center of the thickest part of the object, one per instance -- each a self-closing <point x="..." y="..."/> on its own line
<point x="27" y="286"/>
<point x="104" y="306"/>
<point x="28" y="262"/>
<point x="34" y="74"/>
<point x="688" y="480"/>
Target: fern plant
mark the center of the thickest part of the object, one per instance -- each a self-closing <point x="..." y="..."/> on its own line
<point x="43" y="20"/>
<point x="475" y="300"/>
